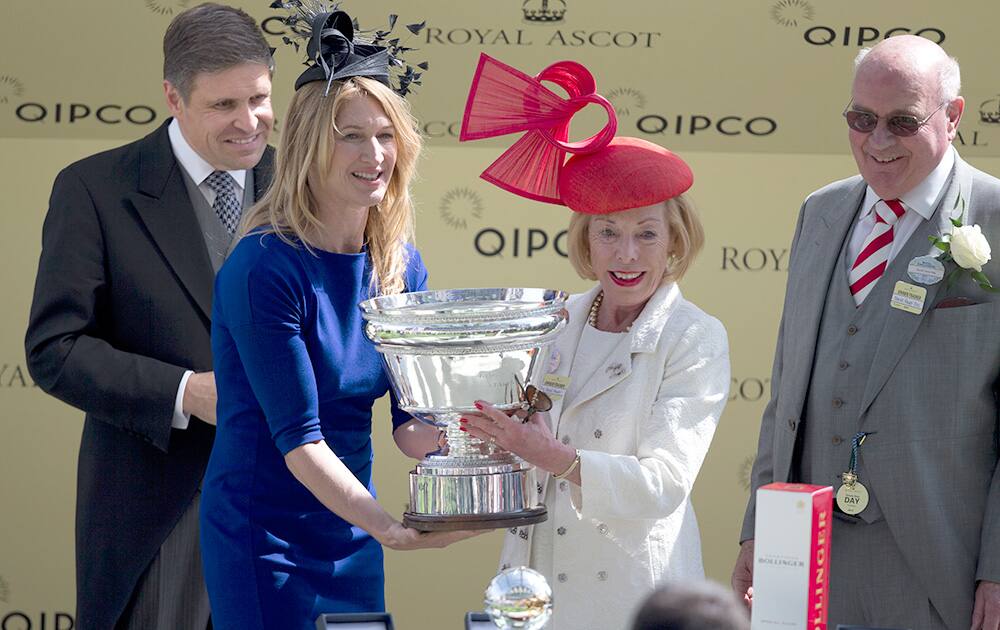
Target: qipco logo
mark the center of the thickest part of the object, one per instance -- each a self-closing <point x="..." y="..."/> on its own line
<point x="519" y="242"/>
<point x="72" y="113"/>
<point x="863" y="35"/>
<point x="690" y="125"/>
<point x="20" y="620"/>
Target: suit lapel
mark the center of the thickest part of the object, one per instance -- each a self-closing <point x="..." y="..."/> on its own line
<point x="615" y="369"/>
<point x="163" y="205"/>
<point x="262" y="174"/>
<point x="811" y="286"/>
<point x="900" y="326"/>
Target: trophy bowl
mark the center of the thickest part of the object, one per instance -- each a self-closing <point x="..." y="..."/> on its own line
<point x="443" y="351"/>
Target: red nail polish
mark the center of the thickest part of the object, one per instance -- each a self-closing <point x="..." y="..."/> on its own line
<point x="462" y="420"/>
<point x="479" y="406"/>
<point x="463" y="429"/>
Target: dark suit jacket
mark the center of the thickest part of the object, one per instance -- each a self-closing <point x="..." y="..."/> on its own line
<point x="121" y="309"/>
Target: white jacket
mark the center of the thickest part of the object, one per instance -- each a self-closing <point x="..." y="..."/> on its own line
<point x="643" y="425"/>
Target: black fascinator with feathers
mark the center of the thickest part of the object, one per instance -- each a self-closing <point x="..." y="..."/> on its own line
<point x="336" y="47"/>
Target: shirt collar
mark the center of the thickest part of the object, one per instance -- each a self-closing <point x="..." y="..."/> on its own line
<point x="922" y="197"/>
<point x="193" y="164"/>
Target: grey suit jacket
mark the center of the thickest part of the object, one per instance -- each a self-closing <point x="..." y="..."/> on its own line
<point x="931" y="395"/>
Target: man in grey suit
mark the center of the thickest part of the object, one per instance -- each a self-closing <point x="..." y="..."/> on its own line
<point x="119" y="323"/>
<point x="888" y="351"/>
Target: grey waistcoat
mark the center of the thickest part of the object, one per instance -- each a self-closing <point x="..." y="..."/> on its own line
<point x="847" y="339"/>
<point x="217" y="239"/>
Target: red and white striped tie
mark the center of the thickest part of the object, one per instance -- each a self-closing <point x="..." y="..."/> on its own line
<point x="874" y="257"/>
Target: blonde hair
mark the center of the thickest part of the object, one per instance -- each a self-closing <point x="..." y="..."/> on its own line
<point x="684" y="230"/>
<point x="307" y="142"/>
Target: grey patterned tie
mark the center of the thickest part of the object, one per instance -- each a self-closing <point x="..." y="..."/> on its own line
<point x="226" y="205"/>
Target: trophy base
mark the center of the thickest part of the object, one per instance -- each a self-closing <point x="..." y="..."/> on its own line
<point x="440" y="523"/>
<point x="449" y="493"/>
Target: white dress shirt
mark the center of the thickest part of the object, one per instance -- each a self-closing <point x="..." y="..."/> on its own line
<point x="198" y="170"/>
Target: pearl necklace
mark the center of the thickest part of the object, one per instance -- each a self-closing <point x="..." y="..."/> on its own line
<point x="595" y="307"/>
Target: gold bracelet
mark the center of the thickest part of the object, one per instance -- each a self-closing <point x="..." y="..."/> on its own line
<point x="572" y="467"/>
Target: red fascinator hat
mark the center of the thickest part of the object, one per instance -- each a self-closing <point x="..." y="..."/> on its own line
<point x="603" y="174"/>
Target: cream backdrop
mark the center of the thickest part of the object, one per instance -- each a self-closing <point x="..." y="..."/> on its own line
<point x="749" y="92"/>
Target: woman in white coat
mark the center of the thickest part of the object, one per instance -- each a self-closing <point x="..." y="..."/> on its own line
<point x="638" y="381"/>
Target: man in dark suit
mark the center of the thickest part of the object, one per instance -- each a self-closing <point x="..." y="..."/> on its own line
<point x="119" y="324"/>
<point x="888" y="359"/>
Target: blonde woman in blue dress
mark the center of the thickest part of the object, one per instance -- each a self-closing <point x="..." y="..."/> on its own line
<point x="291" y="528"/>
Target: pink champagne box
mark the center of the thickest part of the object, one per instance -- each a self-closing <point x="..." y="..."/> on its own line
<point x="791" y="558"/>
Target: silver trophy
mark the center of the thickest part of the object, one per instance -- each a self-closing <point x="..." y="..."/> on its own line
<point x="518" y="598"/>
<point x="443" y="351"/>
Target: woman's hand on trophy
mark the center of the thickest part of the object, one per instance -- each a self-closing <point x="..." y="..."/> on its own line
<point x="532" y="441"/>
<point x="402" y="538"/>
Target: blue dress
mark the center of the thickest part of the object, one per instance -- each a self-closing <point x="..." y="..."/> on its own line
<point x="292" y="366"/>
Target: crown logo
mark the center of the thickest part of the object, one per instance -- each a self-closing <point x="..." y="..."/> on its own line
<point x="989" y="111"/>
<point x="544" y="10"/>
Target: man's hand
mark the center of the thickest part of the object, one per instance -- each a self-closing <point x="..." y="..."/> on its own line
<point x="200" y="396"/>
<point x="742" y="579"/>
<point x="986" y="613"/>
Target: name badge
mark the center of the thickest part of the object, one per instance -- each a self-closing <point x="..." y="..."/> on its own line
<point x="908" y="297"/>
<point x="925" y="270"/>
<point x="555" y="385"/>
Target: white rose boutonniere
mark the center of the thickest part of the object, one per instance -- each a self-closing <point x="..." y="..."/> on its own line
<point x="968" y="248"/>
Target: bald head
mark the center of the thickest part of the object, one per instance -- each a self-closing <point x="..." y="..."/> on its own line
<point x="915" y="58"/>
<point x="909" y="79"/>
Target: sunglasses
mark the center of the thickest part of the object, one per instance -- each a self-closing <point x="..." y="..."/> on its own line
<point x="901" y="125"/>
